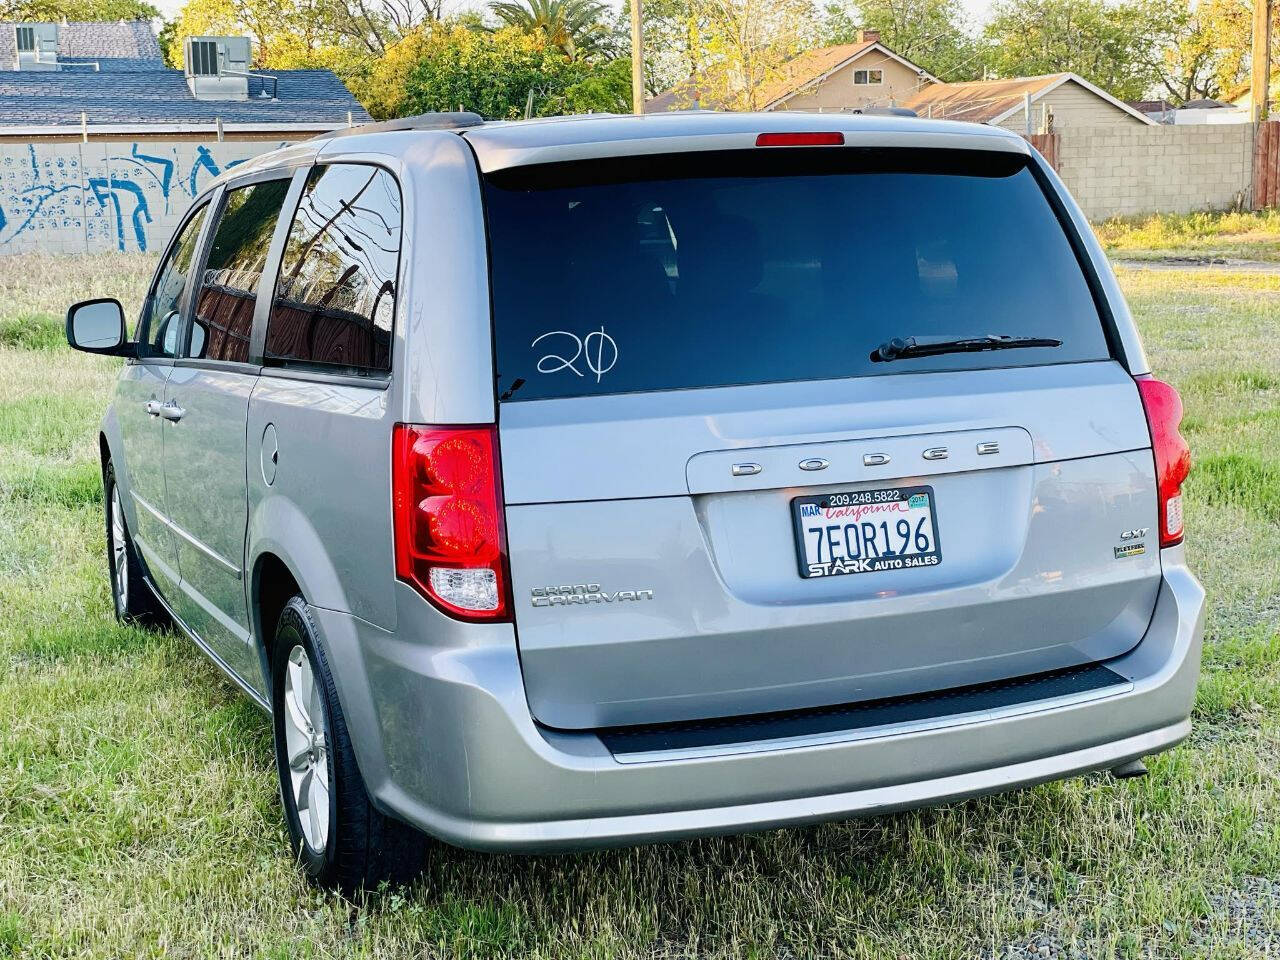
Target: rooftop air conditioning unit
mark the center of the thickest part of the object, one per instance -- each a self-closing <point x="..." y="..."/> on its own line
<point x="217" y="68"/>
<point x="36" y="45"/>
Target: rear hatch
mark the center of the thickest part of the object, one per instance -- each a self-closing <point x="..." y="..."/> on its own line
<point x="719" y="503"/>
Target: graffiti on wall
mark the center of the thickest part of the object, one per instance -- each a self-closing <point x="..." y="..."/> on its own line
<point x="105" y="196"/>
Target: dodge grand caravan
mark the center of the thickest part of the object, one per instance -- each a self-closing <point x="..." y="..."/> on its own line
<point x="604" y="480"/>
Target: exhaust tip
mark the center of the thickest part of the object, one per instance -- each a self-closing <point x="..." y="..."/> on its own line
<point x="1130" y="770"/>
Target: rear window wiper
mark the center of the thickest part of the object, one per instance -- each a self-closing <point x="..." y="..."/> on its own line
<point x="903" y="348"/>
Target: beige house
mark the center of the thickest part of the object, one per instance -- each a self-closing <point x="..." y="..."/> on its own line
<point x="850" y="76"/>
<point x="1059" y="101"/>
<point x="1241" y="96"/>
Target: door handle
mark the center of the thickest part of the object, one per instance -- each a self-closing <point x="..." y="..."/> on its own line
<point x="171" y="411"/>
<point x="153" y="407"/>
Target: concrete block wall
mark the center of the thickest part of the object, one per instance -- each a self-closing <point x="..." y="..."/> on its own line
<point x="101" y="196"/>
<point x="1115" y="171"/>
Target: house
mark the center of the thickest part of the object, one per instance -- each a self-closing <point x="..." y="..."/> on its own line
<point x="1161" y="111"/>
<point x="103" y="147"/>
<point x="1193" y="111"/>
<point x="1069" y="99"/>
<point x="1210" y="111"/>
<point x="850" y="76"/>
<point x="1240" y="97"/>
<point x="109" y="47"/>
<point x="88" y="81"/>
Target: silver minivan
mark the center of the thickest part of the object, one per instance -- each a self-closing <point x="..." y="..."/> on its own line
<point x="603" y="480"/>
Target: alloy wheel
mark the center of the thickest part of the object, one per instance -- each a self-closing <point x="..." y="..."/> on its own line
<point x="119" y="552"/>
<point x="307" y="746"/>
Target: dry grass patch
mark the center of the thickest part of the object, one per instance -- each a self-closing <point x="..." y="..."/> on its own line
<point x="1238" y="235"/>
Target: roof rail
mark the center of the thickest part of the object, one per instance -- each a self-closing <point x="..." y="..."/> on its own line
<point x="450" y="120"/>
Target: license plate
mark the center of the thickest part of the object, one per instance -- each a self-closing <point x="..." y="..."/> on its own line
<point x="866" y="531"/>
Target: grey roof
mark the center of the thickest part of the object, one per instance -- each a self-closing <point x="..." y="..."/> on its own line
<point x="118" y="45"/>
<point x="152" y="97"/>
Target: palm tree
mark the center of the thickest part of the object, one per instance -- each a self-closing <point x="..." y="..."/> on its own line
<point x="570" y="25"/>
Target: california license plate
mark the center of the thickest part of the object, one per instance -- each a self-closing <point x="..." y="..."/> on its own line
<point x="866" y="531"/>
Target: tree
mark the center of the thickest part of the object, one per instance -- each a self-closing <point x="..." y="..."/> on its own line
<point x="740" y="47"/>
<point x="502" y="74"/>
<point x="671" y="51"/>
<point x="286" y="35"/>
<point x="571" y="26"/>
<point x="1185" y="60"/>
<point x="375" y="25"/>
<point x="604" y="89"/>
<point x="932" y="33"/>
<point x="345" y="35"/>
<point x="1114" y="46"/>
<point x="383" y="94"/>
<point x="45" y="11"/>
<point x="1211" y="56"/>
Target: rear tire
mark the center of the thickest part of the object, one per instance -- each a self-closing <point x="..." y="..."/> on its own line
<point x="132" y="599"/>
<point x="341" y="841"/>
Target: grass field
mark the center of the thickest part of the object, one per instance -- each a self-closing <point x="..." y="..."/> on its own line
<point x="1196" y="236"/>
<point x="138" y="809"/>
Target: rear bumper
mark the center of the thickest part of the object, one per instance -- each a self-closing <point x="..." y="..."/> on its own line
<point x="445" y="741"/>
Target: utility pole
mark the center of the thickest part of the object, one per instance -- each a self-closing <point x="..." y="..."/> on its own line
<point x="1261" y="85"/>
<point x="637" y="60"/>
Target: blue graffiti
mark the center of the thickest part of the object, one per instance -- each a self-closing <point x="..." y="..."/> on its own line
<point x="165" y="180"/>
<point x="69" y="194"/>
<point x="104" y="190"/>
<point x="46" y="193"/>
<point x="203" y="159"/>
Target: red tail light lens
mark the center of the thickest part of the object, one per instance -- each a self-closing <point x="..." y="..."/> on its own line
<point x="816" y="139"/>
<point x="1163" y="407"/>
<point x="447" y="504"/>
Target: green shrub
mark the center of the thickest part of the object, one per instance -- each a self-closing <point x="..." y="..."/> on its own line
<point x="33" y="331"/>
<point x="495" y="74"/>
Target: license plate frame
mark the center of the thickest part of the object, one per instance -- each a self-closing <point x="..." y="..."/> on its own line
<point x="865" y="504"/>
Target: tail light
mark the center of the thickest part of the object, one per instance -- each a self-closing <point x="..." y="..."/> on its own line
<point x="1163" y="407"/>
<point x="832" y="138"/>
<point x="447" y="505"/>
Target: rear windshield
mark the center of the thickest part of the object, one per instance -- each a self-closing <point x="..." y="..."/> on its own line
<point x="713" y="269"/>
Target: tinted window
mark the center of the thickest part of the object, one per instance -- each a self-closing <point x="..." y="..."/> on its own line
<point x="237" y="255"/>
<point x="158" y="327"/>
<point x="335" y="298"/>
<point x="702" y="270"/>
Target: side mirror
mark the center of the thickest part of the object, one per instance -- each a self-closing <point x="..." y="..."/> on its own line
<point x="97" y="326"/>
<point x="169" y="333"/>
<point x="198" y="338"/>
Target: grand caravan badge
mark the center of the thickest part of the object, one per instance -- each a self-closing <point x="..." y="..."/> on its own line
<point x="581" y="593"/>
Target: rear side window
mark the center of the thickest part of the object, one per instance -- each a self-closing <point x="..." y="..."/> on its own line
<point x="701" y="270"/>
<point x="335" y="298"/>
<point x="223" y="318"/>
